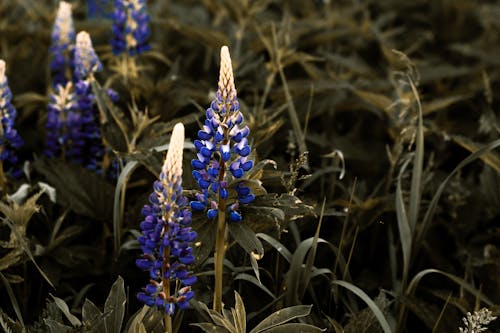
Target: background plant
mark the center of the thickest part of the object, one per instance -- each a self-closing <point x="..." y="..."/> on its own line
<point x="406" y="91"/>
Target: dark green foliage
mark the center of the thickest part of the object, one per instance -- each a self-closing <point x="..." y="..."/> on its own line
<point x="385" y="111"/>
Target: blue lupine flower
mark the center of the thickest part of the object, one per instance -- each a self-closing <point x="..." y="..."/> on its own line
<point x="223" y="150"/>
<point x="86" y="117"/>
<point x="62" y="46"/>
<point x="166" y="236"/>
<point x="130" y="27"/>
<point x="9" y="138"/>
<point x="63" y="129"/>
<point x="86" y="60"/>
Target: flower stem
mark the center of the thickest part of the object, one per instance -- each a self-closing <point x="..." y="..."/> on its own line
<point x="220" y="248"/>
<point x="166" y="283"/>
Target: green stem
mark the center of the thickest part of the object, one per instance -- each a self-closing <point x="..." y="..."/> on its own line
<point x="220" y="248"/>
<point x="168" y="323"/>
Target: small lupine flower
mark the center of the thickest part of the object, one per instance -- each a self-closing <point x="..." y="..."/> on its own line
<point x="63" y="136"/>
<point x="130" y="27"/>
<point x="166" y="236"/>
<point x="62" y="46"/>
<point x="9" y="138"/>
<point x="86" y="116"/>
<point x="223" y="150"/>
<point x="86" y="60"/>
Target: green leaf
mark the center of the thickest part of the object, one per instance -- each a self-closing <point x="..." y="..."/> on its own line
<point x="206" y="238"/>
<point x="295" y="328"/>
<point x="13" y="299"/>
<point x="418" y="163"/>
<point x="210" y="328"/>
<point x="79" y="188"/>
<point x="115" y="126"/>
<point x="371" y="304"/>
<point x="253" y="279"/>
<point x="240" y="317"/>
<point x="136" y="325"/>
<point x="405" y="231"/>
<point x="119" y="202"/>
<point x="92" y="317"/>
<point x="282" y="316"/>
<point x="56" y="327"/>
<point x="115" y="305"/>
<point x="65" y="310"/>
<point x="247" y="239"/>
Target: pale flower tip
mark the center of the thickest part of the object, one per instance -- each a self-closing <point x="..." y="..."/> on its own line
<point x="65" y="8"/>
<point x="2" y="70"/>
<point x="178" y="131"/>
<point x="83" y="39"/>
<point x="173" y="162"/>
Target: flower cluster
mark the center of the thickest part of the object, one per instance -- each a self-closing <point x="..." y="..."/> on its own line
<point x="63" y="131"/>
<point x="476" y="322"/>
<point x="166" y="236"/>
<point x="223" y="150"/>
<point x="130" y="27"/>
<point x="62" y="46"/>
<point x="86" y="120"/>
<point x="9" y="138"/>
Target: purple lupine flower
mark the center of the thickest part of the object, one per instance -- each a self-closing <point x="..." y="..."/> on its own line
<point x="166" y="236"/>
<point x="85" y="119"/>
<point x="223" y="150"/>
<point x="130" y="27"/>
<point x="9" y="138"/>
<point x="62" y="46"/>
<point x="86" y="60"/>
<point x="63" y="134"/>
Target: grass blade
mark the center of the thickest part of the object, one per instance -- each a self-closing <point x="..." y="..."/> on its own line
<point x="405" y="231"/>
<point x="418" y="162"/>
<point x="13" y="300"/>
<point x="371" y="304"/>
<point x="119" y="202"/>
<point x="435" y="199"/>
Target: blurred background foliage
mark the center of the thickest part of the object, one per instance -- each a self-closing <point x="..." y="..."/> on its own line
<point x="335" y="79"/>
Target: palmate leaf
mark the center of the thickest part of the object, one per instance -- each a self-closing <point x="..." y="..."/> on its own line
<point x="79" y="188"/>
<point x="275" y="210"/>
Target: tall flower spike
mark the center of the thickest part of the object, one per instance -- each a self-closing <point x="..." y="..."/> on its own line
<point x="86" y="60"/>
<point x="166" y="236"/>
<point x="130" y="27"/>
<point x="9" y="138"/>
<point x="223" y="151"/>
<point x="63" y="136"/>
<point x="62" y="45"/>
<point x="85" y="118"/>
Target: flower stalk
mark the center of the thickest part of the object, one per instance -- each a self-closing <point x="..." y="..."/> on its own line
<point x="222" y="161"/>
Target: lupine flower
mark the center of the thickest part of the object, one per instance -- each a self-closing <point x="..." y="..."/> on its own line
<point x="223" y="150"/>
<point x="86" y="120"/>
<point x="62" y="46"/>
<point x="63" y="137"/>
<point x="130" y="27"/>
<point x="86" y="60"/>
<point x="9" y="138"/>
<point x="166" y="236"/>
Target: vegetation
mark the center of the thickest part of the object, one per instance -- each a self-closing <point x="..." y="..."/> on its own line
<point x="338" y="168"/>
